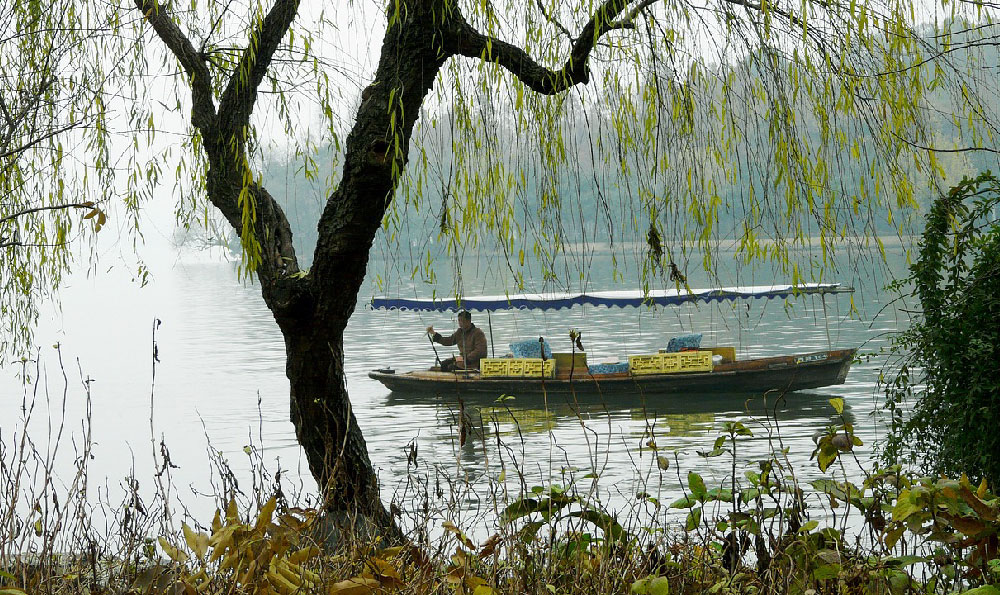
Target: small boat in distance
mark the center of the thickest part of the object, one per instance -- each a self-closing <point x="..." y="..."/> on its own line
<point x="782" y="373"/>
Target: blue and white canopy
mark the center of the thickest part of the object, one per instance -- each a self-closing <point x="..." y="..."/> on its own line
<point x="610" y="299"/>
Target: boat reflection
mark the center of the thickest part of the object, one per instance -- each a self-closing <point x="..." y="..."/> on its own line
<point x="676" y="415"/>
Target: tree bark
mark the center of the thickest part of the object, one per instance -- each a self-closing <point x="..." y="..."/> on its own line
<point x="375" y="156"/>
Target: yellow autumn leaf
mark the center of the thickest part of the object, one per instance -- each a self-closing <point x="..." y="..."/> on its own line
<point x="266" y="513"/>
<point x="197" y="541"/>
<point x="354" y="586"/>
<point x="175" y="554"/>
<point x="304" y="554"/>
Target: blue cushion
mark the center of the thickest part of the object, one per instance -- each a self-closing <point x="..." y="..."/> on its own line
<point x="608" y="368"/>
<point x="530" y="348"/>
<point x="680" y="342"/>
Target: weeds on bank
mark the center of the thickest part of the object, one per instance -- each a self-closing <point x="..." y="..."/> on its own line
<point x="760" y="531"/>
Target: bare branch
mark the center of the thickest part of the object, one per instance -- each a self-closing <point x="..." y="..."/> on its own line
<point x="72" y="205"/>
<point x="628" y="21"/>
<point x="792" y="19"/>
<point x="937" y="150"/>
<point x="466" y="41"/>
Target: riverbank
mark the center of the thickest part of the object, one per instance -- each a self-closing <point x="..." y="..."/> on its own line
<point x="762" y="530"/>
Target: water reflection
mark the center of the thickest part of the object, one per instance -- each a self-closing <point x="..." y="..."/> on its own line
<point x="682" y="414"/>
<point x="612" y="437"/>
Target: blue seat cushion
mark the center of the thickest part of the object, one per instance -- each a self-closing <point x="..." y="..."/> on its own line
<point x="530" y="348"/>
<point x="608" y="368"/>
<point x="681" y="342"/>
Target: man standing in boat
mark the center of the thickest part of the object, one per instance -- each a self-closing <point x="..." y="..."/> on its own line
<point x="471" y="343"/>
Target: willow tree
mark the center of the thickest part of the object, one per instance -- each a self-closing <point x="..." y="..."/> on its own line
<point x="679" y="100"/>
<point x="55" y="172"/>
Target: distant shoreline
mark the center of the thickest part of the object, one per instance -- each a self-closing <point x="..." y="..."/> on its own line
<point x="724" y="246"/>
<point x="730" y="245"/>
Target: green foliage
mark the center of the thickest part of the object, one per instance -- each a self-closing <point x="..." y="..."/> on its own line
<point x="949" y="376"/>
<point x="895" y="534"/>
<point x="554" y="504"/>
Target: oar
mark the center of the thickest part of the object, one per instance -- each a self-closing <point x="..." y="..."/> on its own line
<point x="436" y="358"/>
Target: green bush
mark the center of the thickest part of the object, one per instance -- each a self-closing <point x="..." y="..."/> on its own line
<point x="951" y="371"/>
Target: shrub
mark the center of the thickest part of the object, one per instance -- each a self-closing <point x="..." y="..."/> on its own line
<point x="951" y="368"/>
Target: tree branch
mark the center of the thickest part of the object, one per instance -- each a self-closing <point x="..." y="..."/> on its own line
<point x="203" y="113"/>
<point x="240" y="95"/>
<point x="72" y="205"/>
<point x="22" y="148"/>
<point x="936" y="150"/>
<point x="466" y="41"/>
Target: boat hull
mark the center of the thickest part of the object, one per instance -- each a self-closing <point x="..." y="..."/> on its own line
<point x="783" y="373"/>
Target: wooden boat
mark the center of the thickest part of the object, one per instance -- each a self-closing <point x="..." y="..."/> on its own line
<point x="782" y="373"/>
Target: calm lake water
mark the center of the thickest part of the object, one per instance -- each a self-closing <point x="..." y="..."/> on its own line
<point x="219" y="385"/>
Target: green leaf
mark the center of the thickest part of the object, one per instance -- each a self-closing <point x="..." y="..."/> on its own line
<point x="827" y="455"/>
<point x="826" y="571"/>
<point x="809" y="526"/>
<point x="905" y="506"/>
<point x="697" y="485"/>
<point x="685" y="502"/>
<point x="721" y="494"/>
<point x="527" y="506"/>
<point x="845" y="492"/>
<point x="529" y="531"/>
<point x="518" y="509"/>
<point x="612" y="530"/>
<point x="651" y="585"/>
<point x="838" y="405"/>
<point x="693" y="519"/>
<point x="737" y="428"/>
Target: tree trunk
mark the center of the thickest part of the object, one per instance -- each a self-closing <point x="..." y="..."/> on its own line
<point x="328" y="431"/>
<point x="375" y="156"/>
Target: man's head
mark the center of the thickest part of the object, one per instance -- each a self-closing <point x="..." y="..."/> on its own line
<point x="464" y="319"/>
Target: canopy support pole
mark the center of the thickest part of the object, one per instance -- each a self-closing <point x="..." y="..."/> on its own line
<point x="489" y="319"/>
<point x="826" y="321"/>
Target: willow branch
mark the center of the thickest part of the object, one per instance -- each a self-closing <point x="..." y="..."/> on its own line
<point x="240" y="95"/>
<point x="466" y="41"/>
<point x="552" y="19"/>
<point x="42" y="137"/>
<point x="933" y="149"/>
<point x="72" y="205"/>
<point x="193" y="63"/>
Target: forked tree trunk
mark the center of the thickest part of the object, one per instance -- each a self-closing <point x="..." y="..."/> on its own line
<point x="312" y="309"/>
